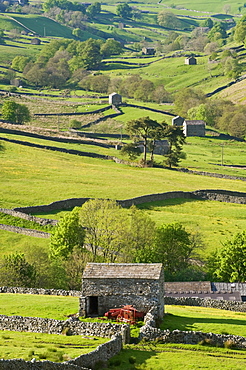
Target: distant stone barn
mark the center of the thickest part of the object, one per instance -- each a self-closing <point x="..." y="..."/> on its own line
<point x="35" y="41"/>
<point x="148" y="50"/>
<point x="115" y="99"/>
<point x="110" y="285"/>
<point x="194" y="128"/>
<point x="190" y="61"/>
<point x="178" y="121"/>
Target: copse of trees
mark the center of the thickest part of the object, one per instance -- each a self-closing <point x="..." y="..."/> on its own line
<point x="15" y="113"/>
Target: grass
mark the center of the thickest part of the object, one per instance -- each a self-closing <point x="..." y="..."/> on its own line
<point x="214" y="221"/>
<point x="177" y="357"/>
<point x="207" y="320"/>
<point x="32" y="176"/>
<point x="51" y="347"/>
<point x="50" y="307"/>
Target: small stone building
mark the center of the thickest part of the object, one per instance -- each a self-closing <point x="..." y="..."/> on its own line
<point x="35" y="41"/>
<point x="194" y="128"/>
<point x="115" y="99"/>
<point x="148" y="50"/>
<point x="178" y="121"/>
<point x="190" y="61"/>
<point x="110" y="285"/>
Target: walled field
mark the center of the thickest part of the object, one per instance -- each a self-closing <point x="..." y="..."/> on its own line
<point x="51" y="347"/>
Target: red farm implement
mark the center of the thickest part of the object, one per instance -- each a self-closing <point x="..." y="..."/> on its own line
<point x="126" y="314"/>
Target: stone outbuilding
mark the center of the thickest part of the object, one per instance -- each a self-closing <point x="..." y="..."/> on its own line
<point x="178" y="121"/>
<point x="194" y="128"/>
<point x="148" y="50"/>
<point x="190" y="61"/>
<point x="115" y="99"/>
<point x="35" y="41"/>
<point x="112" y="285"/>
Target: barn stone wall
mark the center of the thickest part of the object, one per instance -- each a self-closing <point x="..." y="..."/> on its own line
<point x="142" y="293"/>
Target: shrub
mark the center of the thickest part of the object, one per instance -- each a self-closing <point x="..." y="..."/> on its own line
<point x="132" y="360"/>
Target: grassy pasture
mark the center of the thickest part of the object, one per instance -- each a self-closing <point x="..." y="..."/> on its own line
<point x="51" y="347"/>
<point x="43" y="26"/>
<point x="36" y="176"/>
<point x="207" y="320"/>
<point x="214" y="221"/>
<point x="50" y="307"/>
<point x="177" y="357"/>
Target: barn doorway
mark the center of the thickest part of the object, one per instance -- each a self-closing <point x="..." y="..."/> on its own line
<point x="93" y="305"/>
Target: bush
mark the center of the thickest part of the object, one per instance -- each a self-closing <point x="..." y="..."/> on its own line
<point x="132" y="360"/>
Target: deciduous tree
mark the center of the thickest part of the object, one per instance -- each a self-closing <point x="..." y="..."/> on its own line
<point x="16" y="271"/>
<point x="15" y="113"/>
<point x="230" y="262"/>
<point x="67" y="235"/>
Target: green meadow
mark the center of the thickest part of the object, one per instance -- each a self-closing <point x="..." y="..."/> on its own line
<point x="48" y="347"/>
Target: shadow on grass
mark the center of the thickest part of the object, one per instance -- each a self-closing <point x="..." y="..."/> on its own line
<point x="128" y="358"/>
<point x="167" y="203"/>
<point x="173" y="322"/>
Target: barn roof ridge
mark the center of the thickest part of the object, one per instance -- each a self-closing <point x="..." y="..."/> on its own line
<point x="123" y="270"/>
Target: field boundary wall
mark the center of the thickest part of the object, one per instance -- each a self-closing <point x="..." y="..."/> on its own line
<point x="215" y="195"/>
<point x="149" y="332"/>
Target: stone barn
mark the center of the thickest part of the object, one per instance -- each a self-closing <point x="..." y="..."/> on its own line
<point x="148" y="50"/>
<point x="178" y="121"/>
<point x="194" y="128"/>
<point x="35" y="41"/>
<point x="190" y="61"/>
<point x="115" y="99"/>
<point x="112" y="285"/>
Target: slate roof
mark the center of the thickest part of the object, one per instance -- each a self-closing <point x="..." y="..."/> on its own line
<point x="123" y="271"/>
<point x="194" y="122"/>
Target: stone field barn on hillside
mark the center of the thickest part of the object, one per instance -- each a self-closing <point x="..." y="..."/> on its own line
<point x="110" y="285"/>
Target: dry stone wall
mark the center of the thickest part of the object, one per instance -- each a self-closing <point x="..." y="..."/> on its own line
<point x="58" y="292"/>
<point x="150" y="332"/>
<point x="212" y="303"/>
<point x="218" y="195"/>
<point x="71" y="326"/>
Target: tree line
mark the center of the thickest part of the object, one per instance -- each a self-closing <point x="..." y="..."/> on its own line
<point x="102" y="231"/>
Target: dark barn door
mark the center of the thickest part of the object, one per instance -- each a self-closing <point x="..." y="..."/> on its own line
<point x="93" y="305"/>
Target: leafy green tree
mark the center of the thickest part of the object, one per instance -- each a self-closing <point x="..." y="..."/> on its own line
<point x="217" y="32"/>
<point x="233" y="121"/>
<point x="186" y="99"/>
<point x="2" y="41"/>
<point x="176" y="139"/>
<point x="208" y="23"/>
<point x="124" y="10"/>
<point x="144" y="129"/>
<point x="15" y="113"/>
<point x="106" y="228"/>
<point x="174" y="247"/>
<point x="88" y="55"/>
<point x="232" y="68"/>
<point x="16" y="271"/>
<point x="111" y="47"/>
<point x="19" y="63"/>
<point x="230" y="262"/>
<point x="132" y="150"/>
<point x="93" y="10"/>
<point x="67" y="235"/>
<point x="78" y="33"/>
<point x="140" y="236"/>
<point x="240" y="30"/>
<point x="168" y="20"/>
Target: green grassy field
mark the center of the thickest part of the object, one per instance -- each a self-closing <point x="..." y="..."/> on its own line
<point x="49" y="347"/>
